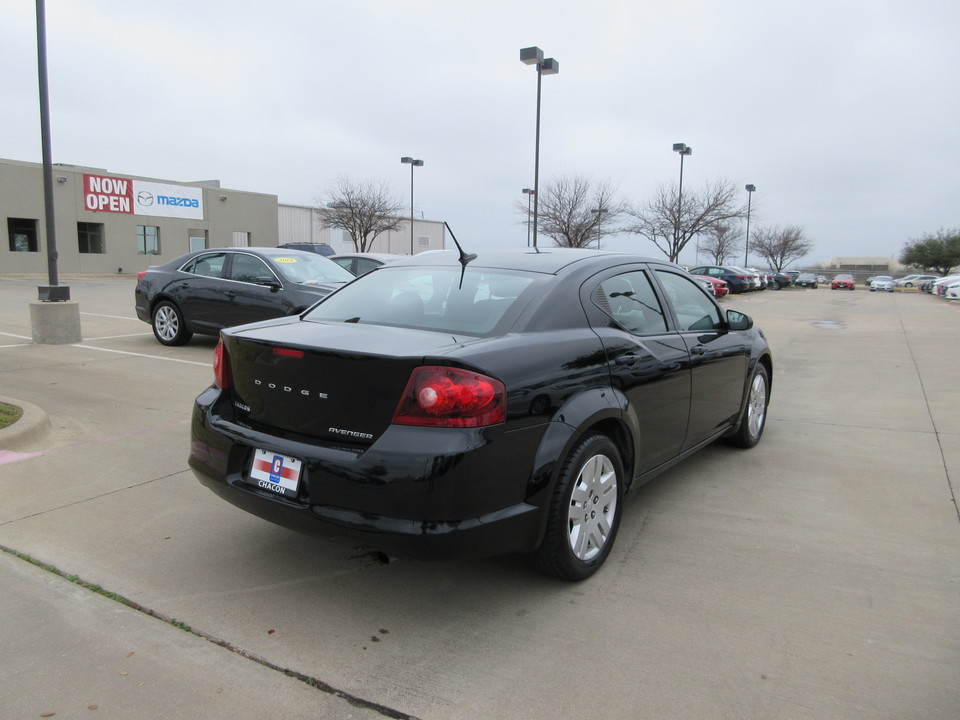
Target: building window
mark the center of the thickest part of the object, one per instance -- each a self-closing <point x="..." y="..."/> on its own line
<point x="197" y="240"/>
<point x="241" y="239"/>
<point x="148" y="240"/>
<point x="423" y="241"/>
<point x="23" y="235"/>
<point x="90" y="238"/>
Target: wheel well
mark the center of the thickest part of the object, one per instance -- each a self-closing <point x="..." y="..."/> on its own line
<point x="619" y="436"/>
<point x="159" y="299"/>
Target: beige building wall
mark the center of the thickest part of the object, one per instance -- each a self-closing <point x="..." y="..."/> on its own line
<point x="225" y="216"/>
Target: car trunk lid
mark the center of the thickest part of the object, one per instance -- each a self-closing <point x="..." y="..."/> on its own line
<point x="337" y="382"/>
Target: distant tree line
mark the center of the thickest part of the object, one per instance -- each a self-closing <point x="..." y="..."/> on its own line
<point x="575" y="212"/>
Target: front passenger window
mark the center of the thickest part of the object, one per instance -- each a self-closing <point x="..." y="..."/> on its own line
<point x="694" y="308"/>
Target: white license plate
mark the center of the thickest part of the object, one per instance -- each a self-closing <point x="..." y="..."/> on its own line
<point x="275" y="472"/>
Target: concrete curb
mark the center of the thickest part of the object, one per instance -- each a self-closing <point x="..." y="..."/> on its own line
<point x="32" y="425"/>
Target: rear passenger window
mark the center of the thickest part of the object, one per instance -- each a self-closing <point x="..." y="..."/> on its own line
<point x="630" y="300"/>
<point x="209" y="265"/>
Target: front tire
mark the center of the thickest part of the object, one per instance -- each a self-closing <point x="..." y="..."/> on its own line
<point x="168" y="325"/>
<point x="755" y="414"/>
<point x="585" y="510"/>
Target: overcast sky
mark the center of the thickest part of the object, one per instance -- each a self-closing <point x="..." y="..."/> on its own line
<point x="843" y="113"/>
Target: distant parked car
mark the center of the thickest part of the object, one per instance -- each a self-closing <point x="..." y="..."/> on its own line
<point x="781" y="280"/>
<point x="362" y="263"/>
<point x="807" y="280"/>
<point x="882" y="282"/>
<point x="843" y="282"/>
<point x="939" y="287"/>
<point x="822" y="279"/>
<point x="206" y="291"/>
<point x="737" y="280"/>
<point x="910" y="280"/>
<point x="716" y="287"/>
<point x="318" y="248"/>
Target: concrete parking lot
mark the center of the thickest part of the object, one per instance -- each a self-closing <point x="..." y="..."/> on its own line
<point x="815" y="576"/>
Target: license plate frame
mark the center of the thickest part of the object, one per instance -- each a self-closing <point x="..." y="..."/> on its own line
<point x="275" y="472"/>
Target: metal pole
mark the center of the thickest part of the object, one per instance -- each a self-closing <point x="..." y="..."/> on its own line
<point x="536" y="162"/>
<point x="45" y="144"/>
<point x="746" y="245"/>
<point x="411" y="208"/>
<point x="676" y="230"/>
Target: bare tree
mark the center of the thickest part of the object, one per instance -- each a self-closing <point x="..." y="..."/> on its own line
<point x="780" y="246"/>
<point x="723" y="241"/>
<point x="575" y="213"/>
<point x="363" y="209"/>
<point x="670" y="222"/>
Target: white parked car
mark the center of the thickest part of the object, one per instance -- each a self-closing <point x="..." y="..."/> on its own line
<point x="882" y="282"/>
<point x="910" y="280"/>
<point x="940" y="286"/>
<point x="953" y="291"/>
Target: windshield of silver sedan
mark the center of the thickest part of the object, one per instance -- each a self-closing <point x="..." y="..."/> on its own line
<point x="430" y="298"/>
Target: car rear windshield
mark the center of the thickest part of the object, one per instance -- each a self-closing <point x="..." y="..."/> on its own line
<point x="431" y="298"/>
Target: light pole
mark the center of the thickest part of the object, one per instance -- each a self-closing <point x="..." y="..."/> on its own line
<point x="412" y="163"/>
<point x="599" y="213"/>
<point x="746" y="246"/>
<point x="683" y="149"/>
<point x="529" y="193"/>
<point x="548" y="66"/>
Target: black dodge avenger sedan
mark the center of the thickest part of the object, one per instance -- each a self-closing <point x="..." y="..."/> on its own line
<point x="204" y="291"/>
<point x="446" y="406"/>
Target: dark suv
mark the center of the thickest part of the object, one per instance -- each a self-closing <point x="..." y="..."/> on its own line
<point x="318" y="248"/>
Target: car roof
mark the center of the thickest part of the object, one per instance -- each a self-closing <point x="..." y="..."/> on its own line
<point x="545" y="260"/>
<point x="374" y="256"/>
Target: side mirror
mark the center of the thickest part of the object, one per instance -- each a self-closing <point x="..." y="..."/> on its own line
<point x="269" y="281"/>
<point x="738" y="320"/>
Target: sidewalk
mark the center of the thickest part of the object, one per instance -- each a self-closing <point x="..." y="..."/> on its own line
<point x="67" y="651"/>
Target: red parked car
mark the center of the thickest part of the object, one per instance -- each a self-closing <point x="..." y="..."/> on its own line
<point x="843" y="282"/>
<point x="719" y="287"/>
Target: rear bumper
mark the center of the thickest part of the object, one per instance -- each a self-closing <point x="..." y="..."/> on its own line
<point x="429" y="496"/>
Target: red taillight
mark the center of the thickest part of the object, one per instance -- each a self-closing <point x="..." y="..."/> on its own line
<point x="140" y="275"/>
<point x="438" y="396"/>
<point x="221" y="367"/>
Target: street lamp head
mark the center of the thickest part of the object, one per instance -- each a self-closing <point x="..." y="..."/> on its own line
<point x="529" y="191"/>
<point x="548" y="67"/>
<point x="406" y="160"/>
<point x="410" y="161"/>
<point x="531" y="55"/>
<point x="751" y="188"/>
<point x="682" y="148"/>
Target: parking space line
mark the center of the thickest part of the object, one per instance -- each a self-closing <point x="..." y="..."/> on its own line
<point x="117" y="337"/>
<point x="115" y="317"/>
<point x="142" y="355"/>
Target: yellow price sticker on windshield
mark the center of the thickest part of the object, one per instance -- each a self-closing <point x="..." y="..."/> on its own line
<point x="285" y="260"/>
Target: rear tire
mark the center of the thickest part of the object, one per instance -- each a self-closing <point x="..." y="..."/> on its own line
<point x="168" y="325"/>
<point x="755" y="413"/>
<point x="585" y="510"/>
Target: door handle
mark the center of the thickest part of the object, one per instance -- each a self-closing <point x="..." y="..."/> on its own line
<point x="628" y="359"/>
<point x="698" y="350"/>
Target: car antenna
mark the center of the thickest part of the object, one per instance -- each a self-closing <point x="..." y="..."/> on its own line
<point x="464" y="257"/>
